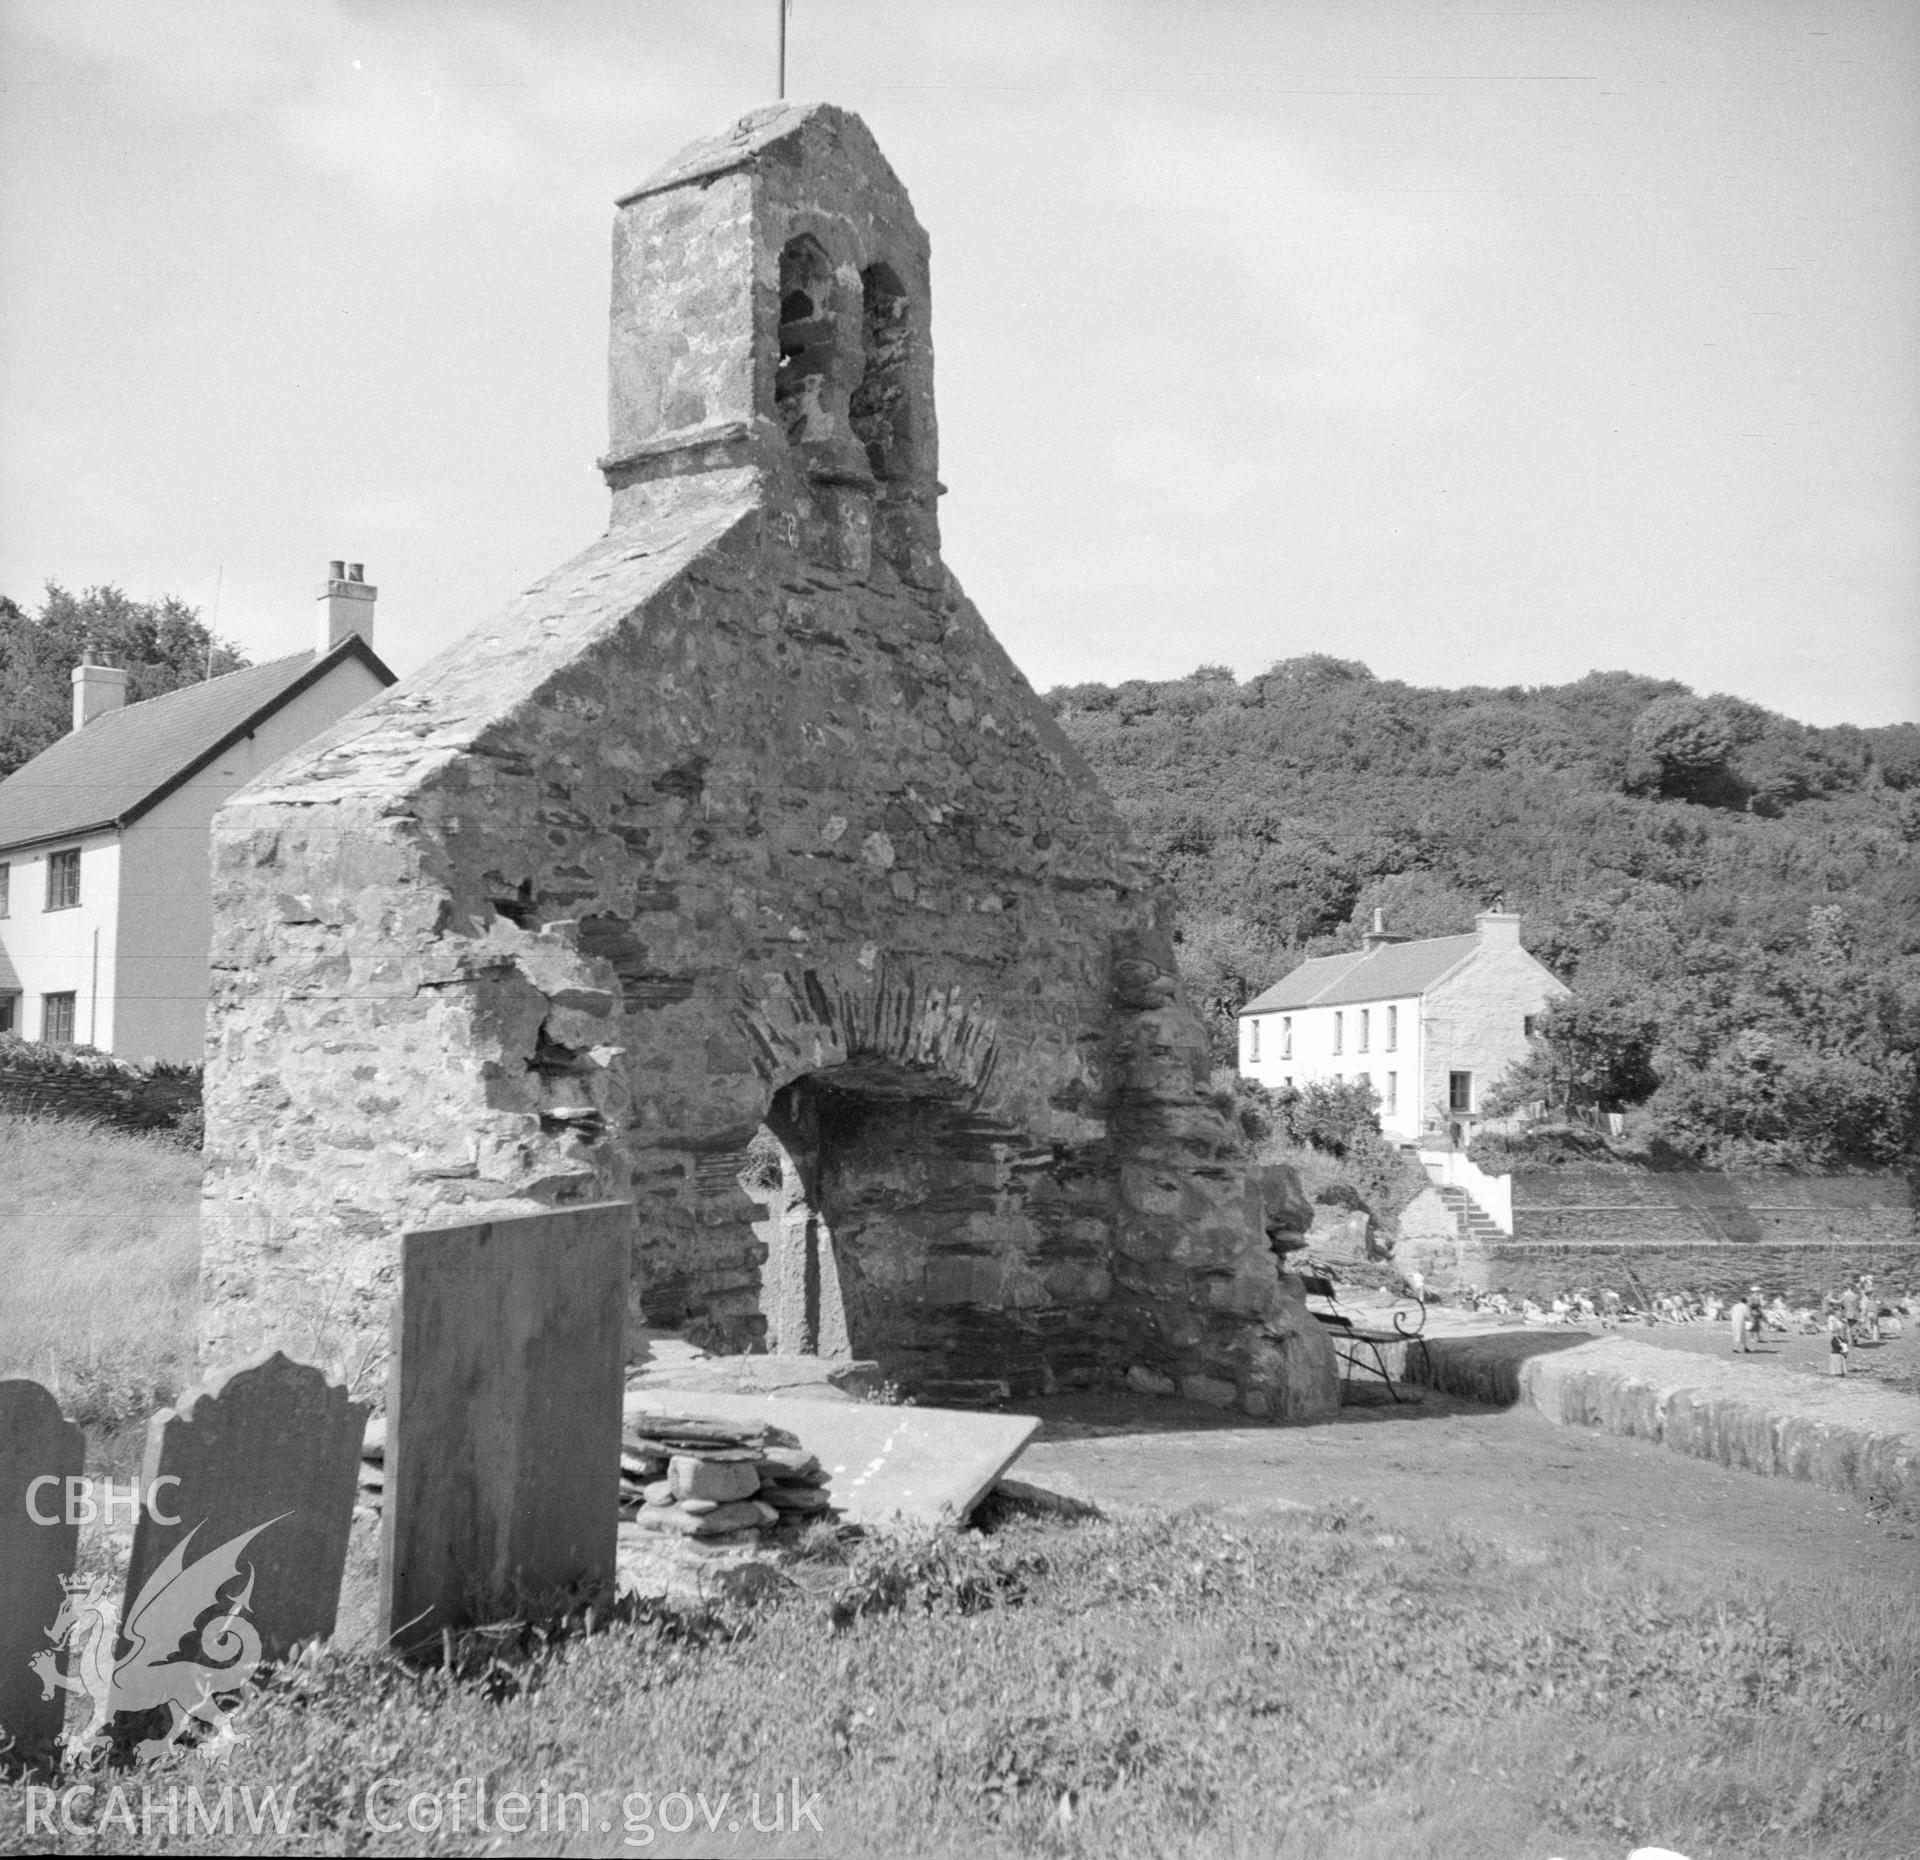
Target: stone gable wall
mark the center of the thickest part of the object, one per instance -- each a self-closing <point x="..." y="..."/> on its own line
<point x="1475" y="1020"/>
<point x="741" y="817"/>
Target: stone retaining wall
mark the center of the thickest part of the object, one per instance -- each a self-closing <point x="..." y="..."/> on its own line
<point x="1801" y="1273"/>
<point x="1597" y="1207"/>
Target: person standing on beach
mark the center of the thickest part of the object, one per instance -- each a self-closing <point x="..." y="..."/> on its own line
<point x="1737" y="1323"/>
<point x="1836" y="1344"/>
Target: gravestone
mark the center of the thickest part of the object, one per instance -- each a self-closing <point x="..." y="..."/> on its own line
<point x="36" y="1442"/>
<point x="503" y="1407"/>
<point x="270" y="1447"/>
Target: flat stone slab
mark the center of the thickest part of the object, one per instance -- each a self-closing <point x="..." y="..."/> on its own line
<point x="1843" y="1434"/>
<point x="810" y="1377"/>
<point x="924" y="1465"/>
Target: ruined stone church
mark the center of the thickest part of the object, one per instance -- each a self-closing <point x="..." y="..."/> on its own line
<point x="739" y="829"/>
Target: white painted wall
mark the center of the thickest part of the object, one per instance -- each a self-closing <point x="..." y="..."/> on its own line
<point x="134" y="951"/>
<point x="166" y="890"/>
<point x="54" y="952"/>
<point x="1313" y="1055"/>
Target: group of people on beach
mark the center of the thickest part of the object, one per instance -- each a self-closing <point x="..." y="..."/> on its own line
<point x="1854" y="1313"/>
<point x="1857" y="1314"/>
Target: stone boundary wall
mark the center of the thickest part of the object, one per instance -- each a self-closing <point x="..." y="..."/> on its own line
<point x="1800" y="1271"/>
<point x="1593" y="1207"/>
<point x="35" y="1081"/>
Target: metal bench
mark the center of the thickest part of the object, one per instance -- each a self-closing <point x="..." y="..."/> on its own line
<point x="1357" y="1338"/>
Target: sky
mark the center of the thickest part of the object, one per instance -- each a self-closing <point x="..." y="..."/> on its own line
<point x="1484" y="344"/>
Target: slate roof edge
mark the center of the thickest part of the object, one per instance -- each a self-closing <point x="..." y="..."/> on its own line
<point x="352" y="647"/>
<point x="1350" y="958"/>
<point x="1419" y="994"/>
<point x="710" y="157"/>
<point x="1321" y="997"/>
<point x="703" y="175"/>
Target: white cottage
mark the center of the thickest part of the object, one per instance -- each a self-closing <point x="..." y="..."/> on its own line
<point x="106" y="900"/>
<point x="1430" y="1023"/>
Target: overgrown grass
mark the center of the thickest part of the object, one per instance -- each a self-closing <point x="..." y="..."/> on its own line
<point x="1179" y="1686"/>
<point x="100" y="1246"/>
<point x="1158" y="1686"/>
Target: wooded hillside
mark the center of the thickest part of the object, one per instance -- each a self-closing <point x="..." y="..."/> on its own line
<point x="1736" y="896"/>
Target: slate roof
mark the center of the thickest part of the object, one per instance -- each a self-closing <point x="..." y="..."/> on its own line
<point x="129" y="760"/>
<point x="1394" y="969"/>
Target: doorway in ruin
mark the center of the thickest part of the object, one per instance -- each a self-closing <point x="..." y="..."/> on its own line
<point x="800" y="1296"/>
<point x="904" y="1226"/>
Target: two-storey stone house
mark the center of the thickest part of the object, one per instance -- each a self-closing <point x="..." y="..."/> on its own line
<point x="1431" y="1023"/>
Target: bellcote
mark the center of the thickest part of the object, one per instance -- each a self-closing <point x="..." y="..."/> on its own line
<point x="772" y="314"/>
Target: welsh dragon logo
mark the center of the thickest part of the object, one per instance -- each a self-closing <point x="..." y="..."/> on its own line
<point x="176" y="1606"/>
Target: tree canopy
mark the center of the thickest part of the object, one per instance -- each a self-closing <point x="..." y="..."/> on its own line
<point x="162" y="644"/>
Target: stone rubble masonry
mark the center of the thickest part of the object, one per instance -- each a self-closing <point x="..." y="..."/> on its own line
<point x="49" y="1081"/>
<point x="1589" y="1206"/>
<point x="741" y="816"/>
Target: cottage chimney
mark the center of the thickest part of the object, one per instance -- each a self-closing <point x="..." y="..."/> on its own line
<point x="347" y="598"/>
<point x="1498" y="929"/>
<point x="97" y="689"/>
<point x="1377" y="935"/>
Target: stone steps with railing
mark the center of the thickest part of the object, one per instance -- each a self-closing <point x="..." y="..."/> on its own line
<point x="1475" y="1227"/>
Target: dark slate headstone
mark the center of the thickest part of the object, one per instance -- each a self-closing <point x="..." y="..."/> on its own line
<point x="36" y="1442"/>
<point x="503" y="1407"/>
<point x="273" y="1447"/>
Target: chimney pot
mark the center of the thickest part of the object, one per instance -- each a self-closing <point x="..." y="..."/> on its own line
<point x="1377" y="935"/>
<point x="356" y="571"/>
<point x="337" y="571"/>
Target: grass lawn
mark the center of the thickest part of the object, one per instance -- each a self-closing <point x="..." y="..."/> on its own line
<point x="1161" y="1686"/>
<point x="1325" y="1685"/>
<point x="100" y="1240"/>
